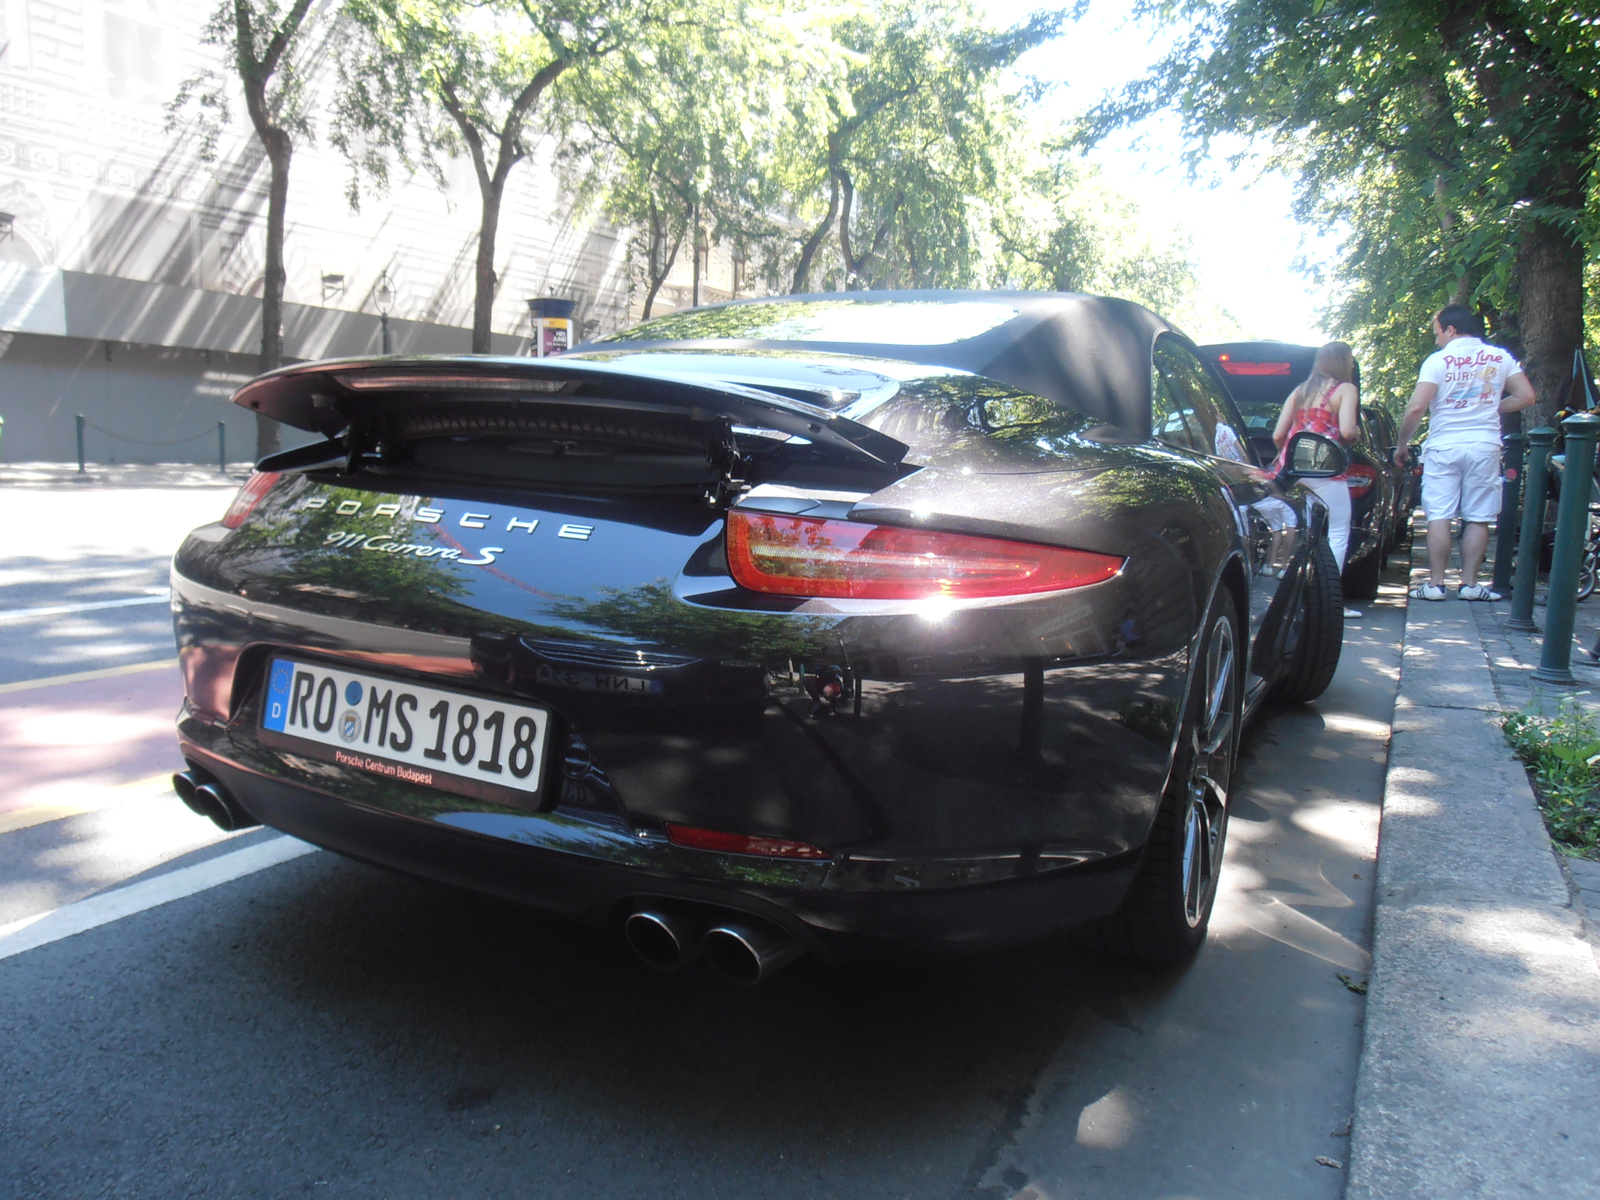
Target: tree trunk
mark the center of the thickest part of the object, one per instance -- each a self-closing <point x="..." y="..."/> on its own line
<point x="658" y="274"/>
<point x="808" y="251"/>
<point x="846" y="206"/>
<point x="269" y="436"/>
<point x="484" y="281"/>
<point x="694" y="244"/>
<point x="1550" y="311"/>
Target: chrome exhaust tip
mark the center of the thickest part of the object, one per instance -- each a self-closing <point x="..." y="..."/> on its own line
<point x="226" y="813"/>
<point x="663" y="938"/>
<point x="184" y="783"/>
<point x="748" y="953"/>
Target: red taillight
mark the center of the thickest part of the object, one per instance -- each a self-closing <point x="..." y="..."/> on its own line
<point x="808" y="556"/>
<point x="251" y="494"/>
<point x="739" y="843"/>
<point x="1250" y="368"/>
<point x="1361" y="478"/>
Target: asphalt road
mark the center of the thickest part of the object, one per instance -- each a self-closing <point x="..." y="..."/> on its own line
<point x="323" y="1028"/>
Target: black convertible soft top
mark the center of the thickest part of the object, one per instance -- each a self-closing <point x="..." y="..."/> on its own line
<point x="1090" y="353"/>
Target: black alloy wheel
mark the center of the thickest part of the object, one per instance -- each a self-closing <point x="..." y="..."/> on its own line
<point x="1164" y="917"/>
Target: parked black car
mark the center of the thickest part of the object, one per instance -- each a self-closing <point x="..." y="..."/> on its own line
<point x="1384" y="432"/>
<point x="1260" y="375"/>
<point x="856" y="624"/>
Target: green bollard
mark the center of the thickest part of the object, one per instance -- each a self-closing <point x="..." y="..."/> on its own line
<point x="80" y="444"/>
<point x="1572" y="530"/>
<point x="1510" y="510"/>
<point x="1536" y="490"/>
<point x="222" y="446"/>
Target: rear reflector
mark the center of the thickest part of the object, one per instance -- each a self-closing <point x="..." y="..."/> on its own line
<point x="251" y="494"/>
<point x="1249" y="368"/>
<point x="808" y="556"/>
<point x="1361" y="478"/>
<point x="739" y="843"/>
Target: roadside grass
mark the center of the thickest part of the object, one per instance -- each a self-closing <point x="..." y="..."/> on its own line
<point x="1562" y="754"/>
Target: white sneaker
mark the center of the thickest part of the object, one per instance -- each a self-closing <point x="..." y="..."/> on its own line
<point x="1428" y="591"/>
<point x="1476" y="591"/>
<point x="1352" y="612"/>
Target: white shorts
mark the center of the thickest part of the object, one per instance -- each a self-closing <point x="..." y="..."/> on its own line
<point x="1461" y="481"/>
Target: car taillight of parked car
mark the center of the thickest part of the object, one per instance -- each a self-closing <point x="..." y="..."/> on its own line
<point x="1362" y="478"/>
<point x="1234" y="367"/>
<point x="810" y="556"/>
<point x="251" y="494"/>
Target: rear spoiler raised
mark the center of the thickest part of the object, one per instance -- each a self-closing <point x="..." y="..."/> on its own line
<point x="335" y="396"/>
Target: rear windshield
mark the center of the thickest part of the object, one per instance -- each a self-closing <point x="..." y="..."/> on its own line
<point x="1261" y="379"/>
<point x="863" y="322"/>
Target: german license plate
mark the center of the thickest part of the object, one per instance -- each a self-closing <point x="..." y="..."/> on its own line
<point x="430" y="736"/>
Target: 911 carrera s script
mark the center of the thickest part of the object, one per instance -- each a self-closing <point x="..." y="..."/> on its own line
<point x="387" y="545"/>
<point x="422" y="735"/>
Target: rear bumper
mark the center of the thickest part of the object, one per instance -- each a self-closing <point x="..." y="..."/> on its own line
<point x="596" y="871"/>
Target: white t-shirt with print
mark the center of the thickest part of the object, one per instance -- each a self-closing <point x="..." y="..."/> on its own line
<point x="1471" y="377"/>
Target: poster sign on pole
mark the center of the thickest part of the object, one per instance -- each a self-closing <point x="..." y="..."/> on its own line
<point x="552" y="325"/>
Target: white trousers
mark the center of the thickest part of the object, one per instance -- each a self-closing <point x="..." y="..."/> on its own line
<point x="1335" y="493"/>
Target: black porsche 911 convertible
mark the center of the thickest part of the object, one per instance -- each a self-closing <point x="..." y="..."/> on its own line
<point x="856" y="624"/>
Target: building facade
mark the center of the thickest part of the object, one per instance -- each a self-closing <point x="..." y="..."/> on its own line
<point x="131" y="265"/>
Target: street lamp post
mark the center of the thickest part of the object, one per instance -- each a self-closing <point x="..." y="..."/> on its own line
<point x="383" y="297"/>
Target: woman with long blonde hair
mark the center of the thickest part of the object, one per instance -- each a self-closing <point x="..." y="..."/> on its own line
<point x="1326" y="403"/>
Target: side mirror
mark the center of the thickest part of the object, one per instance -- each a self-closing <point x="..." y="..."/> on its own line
<point x="1314" y="456"/>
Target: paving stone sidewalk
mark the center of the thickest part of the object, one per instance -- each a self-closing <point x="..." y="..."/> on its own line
<point x="1512" y="656"/>
<point x="1480" y="1071"/>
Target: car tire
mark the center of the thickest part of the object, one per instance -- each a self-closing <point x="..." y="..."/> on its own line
<point x="1164" y="916"/>
<point x="1361" y="577"/>
<point x="1317" y="631"/>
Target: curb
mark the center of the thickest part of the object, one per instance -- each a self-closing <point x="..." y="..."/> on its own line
<point x="1480" y="1068"/>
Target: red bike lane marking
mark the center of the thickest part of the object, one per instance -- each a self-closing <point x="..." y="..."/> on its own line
<point x="58" y="740"/>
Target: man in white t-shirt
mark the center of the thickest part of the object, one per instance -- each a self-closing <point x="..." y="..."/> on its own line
<point x="1464" y="388"/>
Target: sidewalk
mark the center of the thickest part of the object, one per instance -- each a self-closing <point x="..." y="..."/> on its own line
<point x="52" y="475"/>
<point x="1480" y="1072"/>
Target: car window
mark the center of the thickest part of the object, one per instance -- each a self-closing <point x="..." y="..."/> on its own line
<point x="1189" y="388"/>
<point x="1172" y="417"/>
<point x="1369" y="437"/>
<point x="1379" y="428"/>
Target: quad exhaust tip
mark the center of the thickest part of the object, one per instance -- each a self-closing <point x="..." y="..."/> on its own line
<point x="208" y="798"/>
<point x="663" y="938"/>
<point x="747" y="952"/>
<point x="741" y="950"/>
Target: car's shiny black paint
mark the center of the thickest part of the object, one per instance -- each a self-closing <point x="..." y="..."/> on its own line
<point x="989" y="771"/>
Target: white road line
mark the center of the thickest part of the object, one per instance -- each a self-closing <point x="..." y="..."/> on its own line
<point x="57" y="610"/>
<point x="94" y="911"/>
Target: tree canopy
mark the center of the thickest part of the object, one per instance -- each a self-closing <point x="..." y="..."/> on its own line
<point x="1454" y="142"/>
<point x="832" y="145"/>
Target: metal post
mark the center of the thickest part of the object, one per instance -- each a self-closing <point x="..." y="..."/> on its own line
<point x="222" y="446"/>
<point x="1530" y="542"/>
<point x="80" y="444"/>
<point x="383" y="323"/>
<point x="1510" y="512"/>
<point x="1572" y="530"/>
